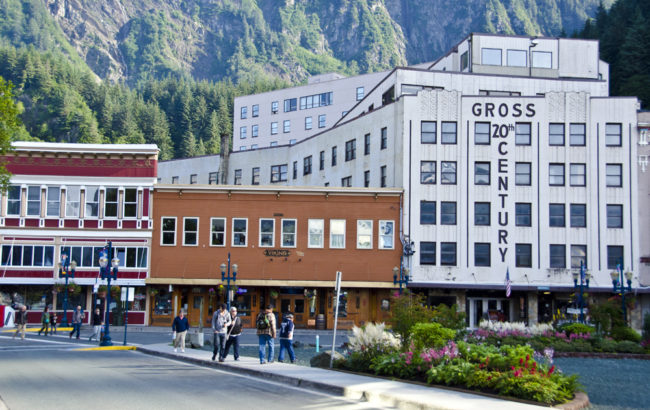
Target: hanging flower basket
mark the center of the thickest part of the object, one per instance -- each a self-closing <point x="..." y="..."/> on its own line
<point x="73" y="288"/>
<point x="101" y="291"/>
<point x="274" y="294"/>
<point x="116" y="291"/>
<point x="58" y="288"/>
<point x="153" y="292"/>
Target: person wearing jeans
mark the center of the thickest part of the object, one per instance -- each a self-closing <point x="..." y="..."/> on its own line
<point x="266" y="334"/>
<point x="220" y="321"/>
<point x="77" y="317"/>
<point x="234" y="331"/>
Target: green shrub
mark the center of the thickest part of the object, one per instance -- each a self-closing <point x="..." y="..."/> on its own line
<point x="577" y="329"/>
<point x="431" y="335"/>
<point x="627" y="346"/>
<point x="621" y="333"/>
<point x="408" y="309"/>
<point x="449" y="317"/>
<point x="646" y="327"/>
<point x="581" y="345"/>
<point x="561" y="346"/>
<point x="604" y="345"/>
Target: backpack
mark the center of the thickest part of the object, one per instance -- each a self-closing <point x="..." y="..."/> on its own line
<point x="262" y="321"/>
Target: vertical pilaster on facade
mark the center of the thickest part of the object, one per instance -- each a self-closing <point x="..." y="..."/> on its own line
<point x="533" y="307"/>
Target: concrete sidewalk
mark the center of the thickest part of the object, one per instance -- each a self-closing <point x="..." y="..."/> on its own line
<point x="364" y="388"/>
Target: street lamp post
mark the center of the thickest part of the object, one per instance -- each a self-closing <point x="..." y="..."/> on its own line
<point x="580" y="281"/>
<point x="618" y="285"/>
<point x="533" y="43"/>
<point x="108" y="272"/>
<point x="66" y="271"/>
<point x="225" y="275"/>
<point x="401" y="276"/>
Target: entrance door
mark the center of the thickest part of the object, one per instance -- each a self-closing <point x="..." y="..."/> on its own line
<point x="194" y="314"/>
<point x="296" y="305"/>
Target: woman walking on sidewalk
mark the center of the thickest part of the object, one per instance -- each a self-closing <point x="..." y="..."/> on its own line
<point x="97" y="325"/>
<point x="45" y="321"/>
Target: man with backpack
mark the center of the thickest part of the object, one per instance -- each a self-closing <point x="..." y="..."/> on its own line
<point x="265" y="324"/>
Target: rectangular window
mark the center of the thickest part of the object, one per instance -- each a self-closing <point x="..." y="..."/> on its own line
<point x="386" y="234"/>
<point x="556" y="215"/>
<point x="556" y="174"/>
<point x="366" y="179"/>
<point x="274" y="107"/>
<point x="255" y="176"/>
<point x="213" y="178"/>
<point x="360" y="93"/>
<point x="350" y="150"/>
<point x="306" y="165"/>
<point x="366" y="144"/>
<point x="614" y="175"/>
<point x="295" y="169"/>
<point x="256" y="110"/>
<point x="217" y="231"/>
<point x="168" y="231"/>
<point x="255" y="131"/>
<point x="34" y="201"/>
<point x="28" y="255"/>
<point x="482" y="133"/>
<point x="522" y="133"/>
<point x="279" y="173"/>
<point x="448" y="134"/>
<point x="384" y="138"/>
<point x="334" y="156"/>
<point x="193" y="178"/>
<point x="578" y="215"/>
<point x="287" y="126"/>
<point x="614" y="256"/>
<point x="428" y="172"/>
<point x="337" y="233"/>
<point x="53" y="201"/>
<point x="522" y="173"/>
<point x="427" y="253"/>
<point x="190" y="231"/>
<point x="239" y="231"/>
<point x="577" y="135"/>
<point x="523" y="255"/>
<point x="427" y="212"/>
<point x="447" y="253"/>
<point x="316" y="232"/>
<point x="481" y="173"/>
<point x="517" y="58"/>
<point x="308" y="125"/>
<point x="578" y="255"/>
<point x="242" y="133"/>
<point x="13" y="200"/>
<point x="523" y="214"/>
<point x="321" y="121"/>
<point x="558" y="256"/>
<point x="556" y="134"/>
<point x="448" y="172"/>
<point x="428" y="132"/>
<point x="364" y="234"/>
<point x="614" y="216"/>
<point x="542" y="59"/>
<point x="237" y="179"/>
<point x="175" y="180"/>
<point x="130" y="206"/>
<point x="92" y="202"/>
<point x="267" y="233"/>
<point x="321" y="161"/>
<point x="578" y="174"/>
<point x="110" y="203"/>
<point x="491" y="56"/>
<point x="382" y="176"/>
<point x="482" y="254"/>
<point x="482" y="213"/>
<point x="613" y="135"/>
<point x="289" y="233"/>
<point x="290" y="104"/>
<point x="274" y="128"/>
<point x="464" y="61"/>
<point x="447" y="213"/>
<point x="244" y="113"/>
<point x="346" y="181"/>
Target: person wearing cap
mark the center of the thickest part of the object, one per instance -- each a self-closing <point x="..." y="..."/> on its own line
<point x="234" y="331"/>
<point x="286" y="338"/>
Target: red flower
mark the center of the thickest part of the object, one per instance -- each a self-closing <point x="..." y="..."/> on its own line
<point x="551" y="370"/>
<point x="521" y="361"/>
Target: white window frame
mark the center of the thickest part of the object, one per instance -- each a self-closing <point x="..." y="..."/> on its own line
<point x="382" y="235"/>
<point x="321" y="234"/>
<point x="334" y="235"/>
<point x="117" y="203"/>
<point x="265" y="234"/>
<point x="69" y="203"/>
<point x="363" y="231"/>
<point x="125" y="203"/>
<point x="186" y="232"/>
<point x="212" y="232"/>
<point x="292" y="234"/>
<point x="87" y="196"/>
<point x="32" y="201"/>
<point x="162" y="231"/>
<point x="19" y="200"/>
<point x="245" y="232"/>
<point x="49" y="201"/>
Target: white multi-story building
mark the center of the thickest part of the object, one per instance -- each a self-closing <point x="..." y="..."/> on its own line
<point x="514" y="161"/>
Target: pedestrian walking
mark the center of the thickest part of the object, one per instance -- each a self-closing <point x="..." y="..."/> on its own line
<point x="21" y="322"/>
<point x="45" y="320"/>
<point x="77" y="317"/>
<point x="97" y="322"/>
<point x="220" y="321"/>
<point x="265" y="324"/>
<point x="286" y="338"/>
<point x="234" y="331"/>
<point x="179" y="329"/>
<point x="53" y="321"/>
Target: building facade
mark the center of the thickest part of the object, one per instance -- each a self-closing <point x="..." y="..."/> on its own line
<point x="70" y="199"/>
<point x="288" y="243"/>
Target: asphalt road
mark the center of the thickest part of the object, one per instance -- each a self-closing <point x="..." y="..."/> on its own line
<point x="50" y="374"/>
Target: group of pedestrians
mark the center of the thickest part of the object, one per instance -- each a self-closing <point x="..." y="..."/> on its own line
<point x="49" y="322"/>
<point x="227" y="328"/>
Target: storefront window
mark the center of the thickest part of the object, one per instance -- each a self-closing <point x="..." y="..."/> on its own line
<point x="163" y="303"/>
<point x="343" y="304"/>
<point x="242" y="301"/>
<point x="75" y="300"/>
<point x="35" y="297"/>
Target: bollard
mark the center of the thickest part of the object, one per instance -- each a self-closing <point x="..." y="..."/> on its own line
<point x="317" y="346"/>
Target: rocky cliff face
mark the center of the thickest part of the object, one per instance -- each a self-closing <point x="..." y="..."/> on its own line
<point x="243" y="39"/>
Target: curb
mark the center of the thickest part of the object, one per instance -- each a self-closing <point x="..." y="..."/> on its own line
<point x="580" y="401"/>
<point x="106" y="348"/>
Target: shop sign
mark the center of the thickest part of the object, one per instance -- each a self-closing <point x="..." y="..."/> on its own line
<point x="278" y="253"/>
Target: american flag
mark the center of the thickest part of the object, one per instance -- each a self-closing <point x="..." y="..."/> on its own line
<point x="508" y="283"/>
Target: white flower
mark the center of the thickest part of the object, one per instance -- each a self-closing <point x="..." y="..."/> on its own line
<point x="372" y="336"/>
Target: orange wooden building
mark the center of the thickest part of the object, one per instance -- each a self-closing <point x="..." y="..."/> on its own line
<point x="287" y="242"/>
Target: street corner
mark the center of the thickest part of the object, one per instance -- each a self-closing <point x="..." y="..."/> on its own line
<point x="106" y="348"/>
